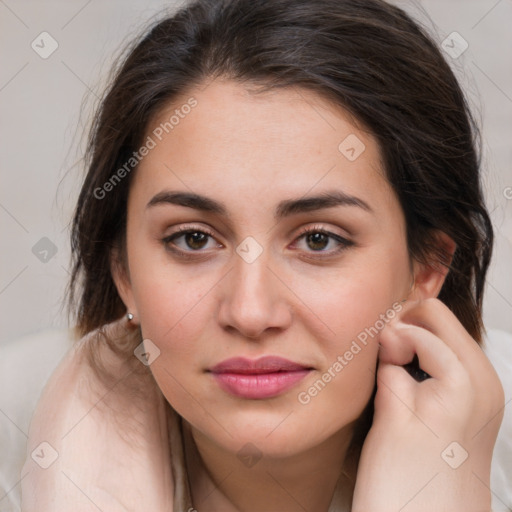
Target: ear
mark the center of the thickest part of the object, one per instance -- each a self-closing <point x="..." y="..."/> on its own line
<point x="120" y="275"/>
<point x="429" y="277"/>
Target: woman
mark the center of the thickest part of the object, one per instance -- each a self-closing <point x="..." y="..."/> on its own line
<point x="280" y="250"/>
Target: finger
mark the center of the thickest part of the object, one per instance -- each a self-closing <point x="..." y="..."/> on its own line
<point x="392" y="379"/>
<point x="434" y="316"/>
<point x="392" y="349"/>
<point x="435" y="357"/>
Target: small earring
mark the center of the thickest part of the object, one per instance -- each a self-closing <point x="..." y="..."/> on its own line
<point x="129" y="316"/>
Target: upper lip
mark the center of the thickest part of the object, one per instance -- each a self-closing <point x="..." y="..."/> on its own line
<point x="266" y="364"/>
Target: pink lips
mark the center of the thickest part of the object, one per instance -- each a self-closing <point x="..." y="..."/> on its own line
<point x="262" y="378"/>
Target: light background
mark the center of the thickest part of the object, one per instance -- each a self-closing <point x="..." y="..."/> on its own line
<point x="42" y="120"/>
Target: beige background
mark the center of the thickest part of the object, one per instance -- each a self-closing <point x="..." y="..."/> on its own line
<point x="41" y="128"/>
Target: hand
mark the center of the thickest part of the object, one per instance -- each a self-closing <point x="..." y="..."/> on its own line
<point x="109" y="435"/>
<point x="431" y="442"/>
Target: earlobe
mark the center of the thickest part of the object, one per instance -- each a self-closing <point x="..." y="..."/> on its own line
<point x="122" y="281"/>
<point x="429" y="277"/>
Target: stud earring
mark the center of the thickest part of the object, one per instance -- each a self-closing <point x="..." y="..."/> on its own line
<point x="129" y="316"/>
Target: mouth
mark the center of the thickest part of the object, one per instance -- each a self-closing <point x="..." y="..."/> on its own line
<point x="258" y="379"/>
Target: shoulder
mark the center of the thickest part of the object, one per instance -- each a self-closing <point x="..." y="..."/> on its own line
<point x="98" y="437"/>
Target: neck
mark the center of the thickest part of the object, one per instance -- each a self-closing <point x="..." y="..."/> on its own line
<point x="306" y="481"/>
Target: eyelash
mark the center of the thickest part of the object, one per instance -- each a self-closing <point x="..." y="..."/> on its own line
<point x="181" y="231"/>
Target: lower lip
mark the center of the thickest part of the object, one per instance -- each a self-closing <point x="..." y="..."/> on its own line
<point x="259" y="386"/>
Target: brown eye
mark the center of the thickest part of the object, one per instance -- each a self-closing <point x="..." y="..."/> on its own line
<point x="317" y="241"/>
<point x="195" y="239"/>
<point x="321" y="241"/>
<point x="190" y="240"/>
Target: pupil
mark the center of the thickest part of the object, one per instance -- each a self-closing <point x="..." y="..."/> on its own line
<point x="196" y="240"/>
<point x="318" y="241"/>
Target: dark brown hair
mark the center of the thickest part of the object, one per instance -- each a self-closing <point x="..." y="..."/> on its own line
<point x="366" y="56"/>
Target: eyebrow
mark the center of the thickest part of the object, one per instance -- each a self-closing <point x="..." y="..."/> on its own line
<point x="286" y="208"/>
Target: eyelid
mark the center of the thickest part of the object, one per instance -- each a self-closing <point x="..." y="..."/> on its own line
<point x="192" y="227"/>
<point x="183" y="230"/>
<point x="317" y="228"/>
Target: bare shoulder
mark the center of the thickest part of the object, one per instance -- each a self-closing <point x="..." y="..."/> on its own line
<point x="99" y="435"/>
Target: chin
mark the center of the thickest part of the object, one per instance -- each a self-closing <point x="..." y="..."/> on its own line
<point x="279" y="434"/>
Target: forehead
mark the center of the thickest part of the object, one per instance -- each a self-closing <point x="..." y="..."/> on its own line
<point x="238" y="145"/>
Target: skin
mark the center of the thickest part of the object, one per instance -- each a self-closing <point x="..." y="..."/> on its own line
<point x="250" y="152"/>
<point x="431" y="443"/>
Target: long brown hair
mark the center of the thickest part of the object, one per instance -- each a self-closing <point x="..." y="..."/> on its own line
<point x="366" y="56"/>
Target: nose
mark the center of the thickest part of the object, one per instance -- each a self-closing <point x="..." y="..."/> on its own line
<point x="254" y="299"/>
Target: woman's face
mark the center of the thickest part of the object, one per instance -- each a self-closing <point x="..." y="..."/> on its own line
<point x="245" y="175"/>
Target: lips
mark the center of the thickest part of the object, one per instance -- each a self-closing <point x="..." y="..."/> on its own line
<point x="262" y="378"/>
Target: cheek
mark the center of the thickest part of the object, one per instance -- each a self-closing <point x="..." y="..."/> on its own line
<point x="168" y="295"/>
<point x="336" y="395"/>
<point x="344" y="387"/>
<point x="355" y="307"/>
<point x="351" y="303"/>
<point x="175" y="311"/>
